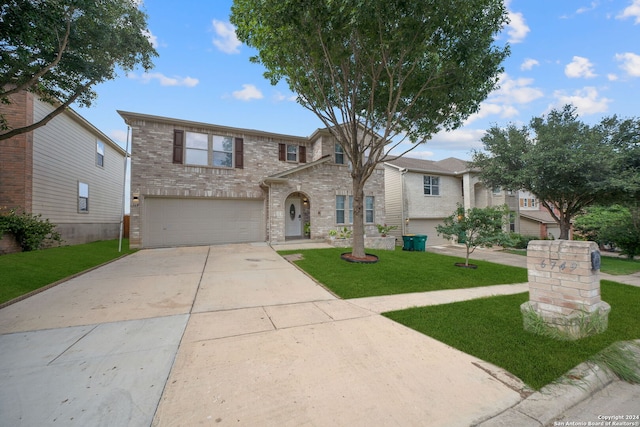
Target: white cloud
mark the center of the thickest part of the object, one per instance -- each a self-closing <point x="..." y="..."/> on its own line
<point x="164" y="80"/>
<point x="459" y="139"/>
<point x="633" y="11"/>
<point x="528" y="64"/>
<point x="579" y="67"/>
<point x="592" y="6"/>
<point x="279" y="97"/>
<point x="226" y="39"/>
<point x="248" y="93"/>
<point x="119" y="136"/>
<point x="586" y="100"/>
<point x="515" y="91"/>
<point x="612" y="77"/>
<point x="630" y="63"/>
<point x="152" y="39"/>
<point x="517" y="29"/>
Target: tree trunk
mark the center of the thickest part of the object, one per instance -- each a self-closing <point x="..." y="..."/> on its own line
<point x="358" y="218"/>
<point x="565" y="226"/>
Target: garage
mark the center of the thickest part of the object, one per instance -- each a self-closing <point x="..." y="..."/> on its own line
<point x="190" y="222"/>
<point x="428" y="227"/>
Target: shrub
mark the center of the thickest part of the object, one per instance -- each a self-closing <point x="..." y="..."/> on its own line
<point x="519" y="241"/>
<point x="30" y="231"/>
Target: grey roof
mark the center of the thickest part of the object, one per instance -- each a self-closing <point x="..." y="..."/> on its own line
<point x="448" y="166"/>
<point x="538" y="216"/>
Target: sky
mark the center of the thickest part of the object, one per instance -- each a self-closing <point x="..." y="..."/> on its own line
<point x="586" y="53"/>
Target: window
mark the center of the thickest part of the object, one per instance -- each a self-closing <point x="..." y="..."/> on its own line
<point x="340" y="209"/>
<point x="368" y="209"/>
<point x="83" y="197"/>
<point x="431" y="185"/>
<point x="100" y="153"/>
<point x="512" y="221"/>
<point x="292" y="153"/>
<point x="497" y="190"/>
<point x="204" y="149"/>
<point x="344" y="212"/>
<point x="339" y="154"/>
<point x="197" y="149"/>
<point x="223" y="151"/>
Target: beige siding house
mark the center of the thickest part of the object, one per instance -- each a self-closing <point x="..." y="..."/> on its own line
<point x="196" y="183"/>
<point x="421" y="193"/>
<point x="68" y="171"/>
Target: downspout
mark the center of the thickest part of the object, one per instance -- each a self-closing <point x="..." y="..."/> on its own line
<point x="403" y="220"/>
<point x="124" y="192"/>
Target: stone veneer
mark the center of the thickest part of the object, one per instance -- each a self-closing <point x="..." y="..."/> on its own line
<point x="564" y="288"/>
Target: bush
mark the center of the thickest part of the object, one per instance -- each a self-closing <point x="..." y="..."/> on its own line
<point x="519" y="241"/>
<point x="30" y="231"/>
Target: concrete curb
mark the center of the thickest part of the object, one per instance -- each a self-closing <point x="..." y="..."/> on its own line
<point x="542" y="407"/>
<point x="548" y="404"/>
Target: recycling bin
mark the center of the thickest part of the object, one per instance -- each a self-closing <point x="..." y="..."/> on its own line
<point x="419" y="242"/>
<point x="407" y="241"/>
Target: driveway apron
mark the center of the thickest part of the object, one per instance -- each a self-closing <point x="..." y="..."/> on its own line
<point x="227" y="335"/>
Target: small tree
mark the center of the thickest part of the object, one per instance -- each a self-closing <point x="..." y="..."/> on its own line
<point x="477" y="226"/>
<point x="617" y="225"/>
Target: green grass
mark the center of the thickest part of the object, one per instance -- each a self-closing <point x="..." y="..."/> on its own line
<point x="609" y="264"/>
<point x="23" y="272"/>
<point x="492" y="330"/>
<point x="399" y="272"/>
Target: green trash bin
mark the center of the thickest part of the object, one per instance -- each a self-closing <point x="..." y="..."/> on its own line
<point x="419" y="242"/>
<point x="407" y="240"/>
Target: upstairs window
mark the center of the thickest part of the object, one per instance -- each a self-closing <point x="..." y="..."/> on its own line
<point x="339" y="153"/>
<point x="292" y="153"/>
<point x="203" y="149"/>
<point x="197" y="149"/>
<point x="431" y="185"/>
<point x="83" y="197"/>
<point x="100" y="153"/>
<point x="223" y="151"/>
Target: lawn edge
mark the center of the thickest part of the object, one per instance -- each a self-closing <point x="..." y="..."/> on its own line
<point x="58" y="282"/>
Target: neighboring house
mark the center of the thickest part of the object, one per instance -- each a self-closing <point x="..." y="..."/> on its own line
<point x="419" y="194"/>
<point x="535" y="219"/>
<point x="198" y="184"/>
<point x="67" y="171"/>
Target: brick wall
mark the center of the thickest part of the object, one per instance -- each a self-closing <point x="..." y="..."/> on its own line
<point x="16" y="155"/>
<point x="560" y="276"/>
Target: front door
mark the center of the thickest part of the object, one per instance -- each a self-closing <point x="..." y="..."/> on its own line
<point x="293" y="218"/>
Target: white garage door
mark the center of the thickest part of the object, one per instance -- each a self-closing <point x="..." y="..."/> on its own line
<point x="184" y="222"/>
<point x="428" y="227"/>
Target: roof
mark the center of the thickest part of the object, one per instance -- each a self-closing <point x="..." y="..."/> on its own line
<point x="538" y="216"/>
<point x="281" y="176"/>
<point x="448" y="166"/>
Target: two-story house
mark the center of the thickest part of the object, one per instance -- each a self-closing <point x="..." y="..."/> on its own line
<point x="419" y="194"/>
<point x="535" y="219"/>
<point x="68" y="171"/>
<point x="196" y="183"/>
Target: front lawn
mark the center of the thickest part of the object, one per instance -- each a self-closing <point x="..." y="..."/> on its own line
<point x="399" y="272"/>
<point x="23" y="272"/>
<point x="491" y="329"/>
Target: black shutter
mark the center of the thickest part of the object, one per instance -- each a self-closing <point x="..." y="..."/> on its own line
<point x="282" y="152"/>
<point x="239" y="153"/>
<point x="302" y="150"/>
<point x="178" y="146"/>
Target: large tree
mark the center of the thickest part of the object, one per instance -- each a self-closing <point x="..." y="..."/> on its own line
<point x="565" y="163"/>
<point x="60" y="49"/>
<point x="378" y="72"/>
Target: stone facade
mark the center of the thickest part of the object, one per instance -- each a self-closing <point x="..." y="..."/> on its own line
<point x="263" y="175"/>
<point x="564" y="287"/>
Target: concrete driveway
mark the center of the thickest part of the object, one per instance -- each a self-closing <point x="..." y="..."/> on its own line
<point x="227" y="335"/>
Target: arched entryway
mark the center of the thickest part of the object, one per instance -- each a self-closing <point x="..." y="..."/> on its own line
<point x="297" y="220"/>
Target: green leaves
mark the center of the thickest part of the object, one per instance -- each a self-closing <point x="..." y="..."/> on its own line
<point x="59" y="49"/>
